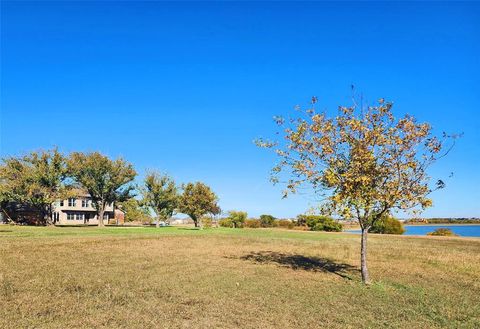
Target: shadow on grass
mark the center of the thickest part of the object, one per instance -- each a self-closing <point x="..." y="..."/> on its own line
<point x="73" y="225"/>
<point x="300" y="262"/>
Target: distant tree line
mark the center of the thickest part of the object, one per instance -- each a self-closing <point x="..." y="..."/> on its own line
<point x="39" y="179"/>
<point x="443" y="220"/>
<point x="239" y="219"/>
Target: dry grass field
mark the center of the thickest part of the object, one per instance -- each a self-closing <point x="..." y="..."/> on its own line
<point x="226" y="278"/>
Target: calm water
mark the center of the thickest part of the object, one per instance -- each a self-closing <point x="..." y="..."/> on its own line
<point x="462" y="230"/>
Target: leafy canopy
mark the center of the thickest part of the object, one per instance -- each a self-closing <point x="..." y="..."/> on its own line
<point x="320" y="223"/>
<point x="37" y="179"/>
<point x="197" y="200"/>
<point x="387" y="225"/>
<point x="363" y="161"/>
<point x="442" y="232"/>
<point x="161" y="194"/>
<point x="237" y="218"/>
<point x="135" y="211"/>
<point x="105" y="179"/>
<point x="267" y="220"/>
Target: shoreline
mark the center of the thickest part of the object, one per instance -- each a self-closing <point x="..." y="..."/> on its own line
<point x="357" y="227"/>
<point x="437" y="224"/>
<point x="426" y="227"/>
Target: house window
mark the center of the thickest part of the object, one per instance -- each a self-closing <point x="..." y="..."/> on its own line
<point x="105" y="216"/>
<point x="71" y="202"/>
<point x="61" y="203"/>
<point x="79" y="217"/>
<point x="70" y="216"/>
<point x="85" y="203"/>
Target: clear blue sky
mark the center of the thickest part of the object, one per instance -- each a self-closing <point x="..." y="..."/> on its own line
<point x="185" y="87"/>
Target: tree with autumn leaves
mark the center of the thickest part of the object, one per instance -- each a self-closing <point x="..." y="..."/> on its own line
<point x="160" y="193"/>
<point x="37" y="179"/>
<point x="363" y="162"/>
<point x="107" y="181"/>
<point x="197" y="200"/>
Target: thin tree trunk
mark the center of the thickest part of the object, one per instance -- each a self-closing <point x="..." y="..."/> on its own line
<point x="157" y="225"/>
<point x="100" y="218"/>
<point x="50" y="219"/>
<point x="363" y="257"/>
<point x="46" y="219"/>
<point x="44" y="215"/>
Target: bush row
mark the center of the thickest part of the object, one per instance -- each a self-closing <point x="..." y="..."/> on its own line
<point x="237" y="219"/>
<point x="256" y="223"/>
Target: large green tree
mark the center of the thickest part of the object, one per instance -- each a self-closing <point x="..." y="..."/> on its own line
<point x="37" y="179"/>
<point x="160" y="194"/>
<point x="107" y="181"/>
<point x="198" y="200"/>
<point x="363" y="162"/>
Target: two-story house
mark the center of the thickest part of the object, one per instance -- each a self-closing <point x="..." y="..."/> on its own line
<point x="79" y="210"/>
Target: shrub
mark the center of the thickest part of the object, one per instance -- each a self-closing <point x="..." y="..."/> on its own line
<point x="225" y="222"/>
<point x="206" y="221"/>
<point x="252" y="223"/>
<point x="301" y="220"/>
<point x="237" y="218"/>
<point x="300" y="228"/>
<point x="387" y="225"/>
<point x="267" y="220"/>
<point x="442" y="232"/>
<point x="320" y="223"/>
<point x="285" y="224"/>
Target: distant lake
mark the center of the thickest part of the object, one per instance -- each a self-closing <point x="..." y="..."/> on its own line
<point x="459" y="229"/>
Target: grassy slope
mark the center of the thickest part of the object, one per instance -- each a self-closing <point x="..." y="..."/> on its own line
<point x="224" y="278"/>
